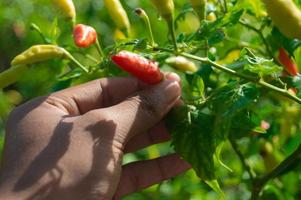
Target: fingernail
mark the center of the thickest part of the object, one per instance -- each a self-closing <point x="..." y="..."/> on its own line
<point x="172" y="90"/>
<point x="173" y="77"/>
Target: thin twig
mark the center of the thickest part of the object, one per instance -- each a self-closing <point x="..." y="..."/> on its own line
<point x="259" y="32"/>
<point x="284" y="165"/>
<point x="242" y="160"/>
<point x="256" y="80"/>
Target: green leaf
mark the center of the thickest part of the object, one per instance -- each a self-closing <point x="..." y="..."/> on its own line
<point x="71" y="74"/>
<point x="215" y="186"/>
<point x="191" y="133"/>
<point x="277" y="40"/>
<point x="209" y="29"/>
<point x="233" y="98"/>
<point x="194" y="91"/>
<point x="54" y="32"/>
<point x="258" y="65"/>
<point x="141" y="44"/>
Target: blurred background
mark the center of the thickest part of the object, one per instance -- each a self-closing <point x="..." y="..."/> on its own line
<point x="16" y="35"/>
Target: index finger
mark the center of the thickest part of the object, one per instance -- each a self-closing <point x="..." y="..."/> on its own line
<point x="94" y="95"/>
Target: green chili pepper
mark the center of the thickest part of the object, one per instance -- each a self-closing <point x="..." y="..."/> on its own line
<point x="118" y="14"/>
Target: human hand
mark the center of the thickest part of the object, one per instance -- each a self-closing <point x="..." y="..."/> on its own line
<point x="70" y="144"/>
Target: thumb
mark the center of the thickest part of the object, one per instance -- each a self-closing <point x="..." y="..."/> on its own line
<point x="142" y="111"/>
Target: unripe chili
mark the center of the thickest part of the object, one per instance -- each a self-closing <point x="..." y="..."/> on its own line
<point x="39" y="53"/>
<point x="66" y="7"/>
<point x="165" y="8"/>
<point x="146" y="70"/>
<point x="286" y="16"/>
<point x="182" y="64"/>
<point x="11" y="75"/>
<point x="118" y="14"/>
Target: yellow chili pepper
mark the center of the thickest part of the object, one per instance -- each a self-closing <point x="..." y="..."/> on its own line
<point x="165" y="8"/>
<point x="286" y="16"/>
<point x="66" y="7"/>
<point x="11" y="75"/>
<point x="39" y="53"/>
<point x="182" y="64"/>
<point x="118" y="14"/>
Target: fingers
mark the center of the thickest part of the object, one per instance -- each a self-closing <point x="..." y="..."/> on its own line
<point x="139" y="175"/>
<point x="156" y="135"/>
<point x="144" y="110"/>
<point x="93" y="95"/>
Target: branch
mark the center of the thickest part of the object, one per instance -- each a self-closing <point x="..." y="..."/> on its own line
<point x="284" y="165"/>
<point x="258" y="81"/>
<point x="242" y="159"/>
<point x="258" y="31"/>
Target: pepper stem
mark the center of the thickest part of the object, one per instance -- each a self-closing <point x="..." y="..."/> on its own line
<point x="36" y="28"/>
<point x="143" y="15"/>
<point x="171" y="27"/>
<point x="99" y="49"/>
<point x="76" y="62"/>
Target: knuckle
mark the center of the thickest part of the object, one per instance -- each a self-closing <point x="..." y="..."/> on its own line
<point x="148" y="104"/>
<point x="160" y="169"/>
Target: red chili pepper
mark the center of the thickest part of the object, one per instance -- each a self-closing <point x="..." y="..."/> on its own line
<point x="84" y="36"/>
<point x="146" y="70"/>
<point x="288" y="63"/>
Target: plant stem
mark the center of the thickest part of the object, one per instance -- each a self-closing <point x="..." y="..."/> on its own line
<point x="90" y="57"/>
<point x="141" y="13"/>
<point x="256" y="80"/>
<point x="225" y="6"/>
<point x="220" y="67"/>
<point x="99" y="49"/>
<point x="171" y="27"/>
<point x="267" y="46"/>
<point x="76" y="62"/>
<point x="260" y="183"/>
<point x="34" y="27"/>
<point x="242" y="159"/>
<point x="11" y="75"/>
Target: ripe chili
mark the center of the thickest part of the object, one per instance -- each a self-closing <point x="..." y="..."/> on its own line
<point x="146" y="70"/>
<point x="84" y="36"/>
<point x="288" y="63"/>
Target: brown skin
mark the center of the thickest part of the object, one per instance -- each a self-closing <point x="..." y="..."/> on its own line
<point x="70" y="144"/>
